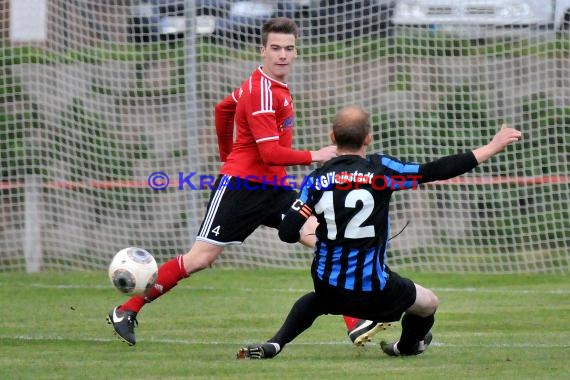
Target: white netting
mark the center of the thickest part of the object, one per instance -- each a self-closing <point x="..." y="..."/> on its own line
<point x="107" y="93"/>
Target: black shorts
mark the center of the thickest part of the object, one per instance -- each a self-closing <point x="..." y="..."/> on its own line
<point x="237" y="207"/>
<point x="386" y="305"/>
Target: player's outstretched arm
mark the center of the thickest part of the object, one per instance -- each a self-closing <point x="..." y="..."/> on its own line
<point x="505" y="136"/>
<point x="274" y="154"/>
<point x="451" y="166"/>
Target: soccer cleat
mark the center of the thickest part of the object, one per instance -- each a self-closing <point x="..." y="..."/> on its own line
<point x="259" y="351"/>
<point x="124" y="323"/>
<point x="365" y="330"/>
<point x="391" y="349"/>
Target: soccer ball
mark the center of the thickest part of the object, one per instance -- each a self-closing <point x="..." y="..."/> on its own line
<point x="133" y="271"/>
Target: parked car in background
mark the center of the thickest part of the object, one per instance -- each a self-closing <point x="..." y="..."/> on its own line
<point x="318" y="20"/>
<point x="466" y="16"/>
<point x="245" y="18"/>
<point x="344" y="19"/>
<point x="209" y="15"/>
<point x="154" y="20"/>
<point x="144" y="21"/>
<point x="240" y="21"/>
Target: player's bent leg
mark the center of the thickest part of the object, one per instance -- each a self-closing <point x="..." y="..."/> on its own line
<point x="416" y="325"/>
<point x="123" y="318"/>
<point x="426" y="302"/>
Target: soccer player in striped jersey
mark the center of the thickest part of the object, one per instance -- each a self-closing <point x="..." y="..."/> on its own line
<point x="251" y="189"/>
<point x="350" y="197"/>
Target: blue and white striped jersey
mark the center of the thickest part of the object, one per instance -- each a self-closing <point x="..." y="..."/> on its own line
<point x="350" y="197"/>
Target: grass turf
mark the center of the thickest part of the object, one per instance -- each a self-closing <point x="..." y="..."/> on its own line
<point x="52" y="326"/>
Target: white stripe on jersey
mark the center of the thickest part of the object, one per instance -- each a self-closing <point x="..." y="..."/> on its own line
<point x="219" y="192"/>
<point x="267" y="139"/>
<point x="266" y="95"/>
<point x="262" y="112"/>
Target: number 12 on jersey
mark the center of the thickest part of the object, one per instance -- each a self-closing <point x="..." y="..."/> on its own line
<point x="354" y="228"/>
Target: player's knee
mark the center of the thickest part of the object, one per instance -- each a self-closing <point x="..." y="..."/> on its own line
<point x="426" y="302"/>
<point x="433" y="302"/>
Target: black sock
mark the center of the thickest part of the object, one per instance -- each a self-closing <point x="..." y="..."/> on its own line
<point x="301" y="317"/>
<point x="414" y="329"/>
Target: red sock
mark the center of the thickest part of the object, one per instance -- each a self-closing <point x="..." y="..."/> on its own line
<point x="350" y="322"/>
<point x="169" y="274"/>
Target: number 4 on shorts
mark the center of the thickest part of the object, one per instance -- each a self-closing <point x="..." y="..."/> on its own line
<point x="216" y="230"/>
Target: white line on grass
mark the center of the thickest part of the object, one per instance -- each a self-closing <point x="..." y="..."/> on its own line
<point x="293" y="290"/>
<point x="236" y="343"/>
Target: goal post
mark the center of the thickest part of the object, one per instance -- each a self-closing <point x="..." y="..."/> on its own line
<point x="110" y="100"/>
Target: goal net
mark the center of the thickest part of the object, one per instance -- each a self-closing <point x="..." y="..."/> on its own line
<point x="101" y="100"/>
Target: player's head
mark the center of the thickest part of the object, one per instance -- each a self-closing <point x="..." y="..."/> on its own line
<point x="278" y="38"/>
<point x="351" y="128"/>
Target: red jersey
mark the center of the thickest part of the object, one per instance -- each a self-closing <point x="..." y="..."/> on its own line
<point x="262" y="109"/>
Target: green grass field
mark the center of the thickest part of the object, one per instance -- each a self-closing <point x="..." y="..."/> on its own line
<point x="53" y="327"/>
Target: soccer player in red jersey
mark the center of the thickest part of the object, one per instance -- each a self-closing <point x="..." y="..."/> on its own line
<point x="251" y="189"/>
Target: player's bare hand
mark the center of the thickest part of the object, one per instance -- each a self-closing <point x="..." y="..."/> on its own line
<point x="505" y="136"/>
<point x="324" y="154"/>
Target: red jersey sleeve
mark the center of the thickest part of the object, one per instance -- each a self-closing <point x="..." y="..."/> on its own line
<point x="224" y="114"/>
<point x="274" y="154"/>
